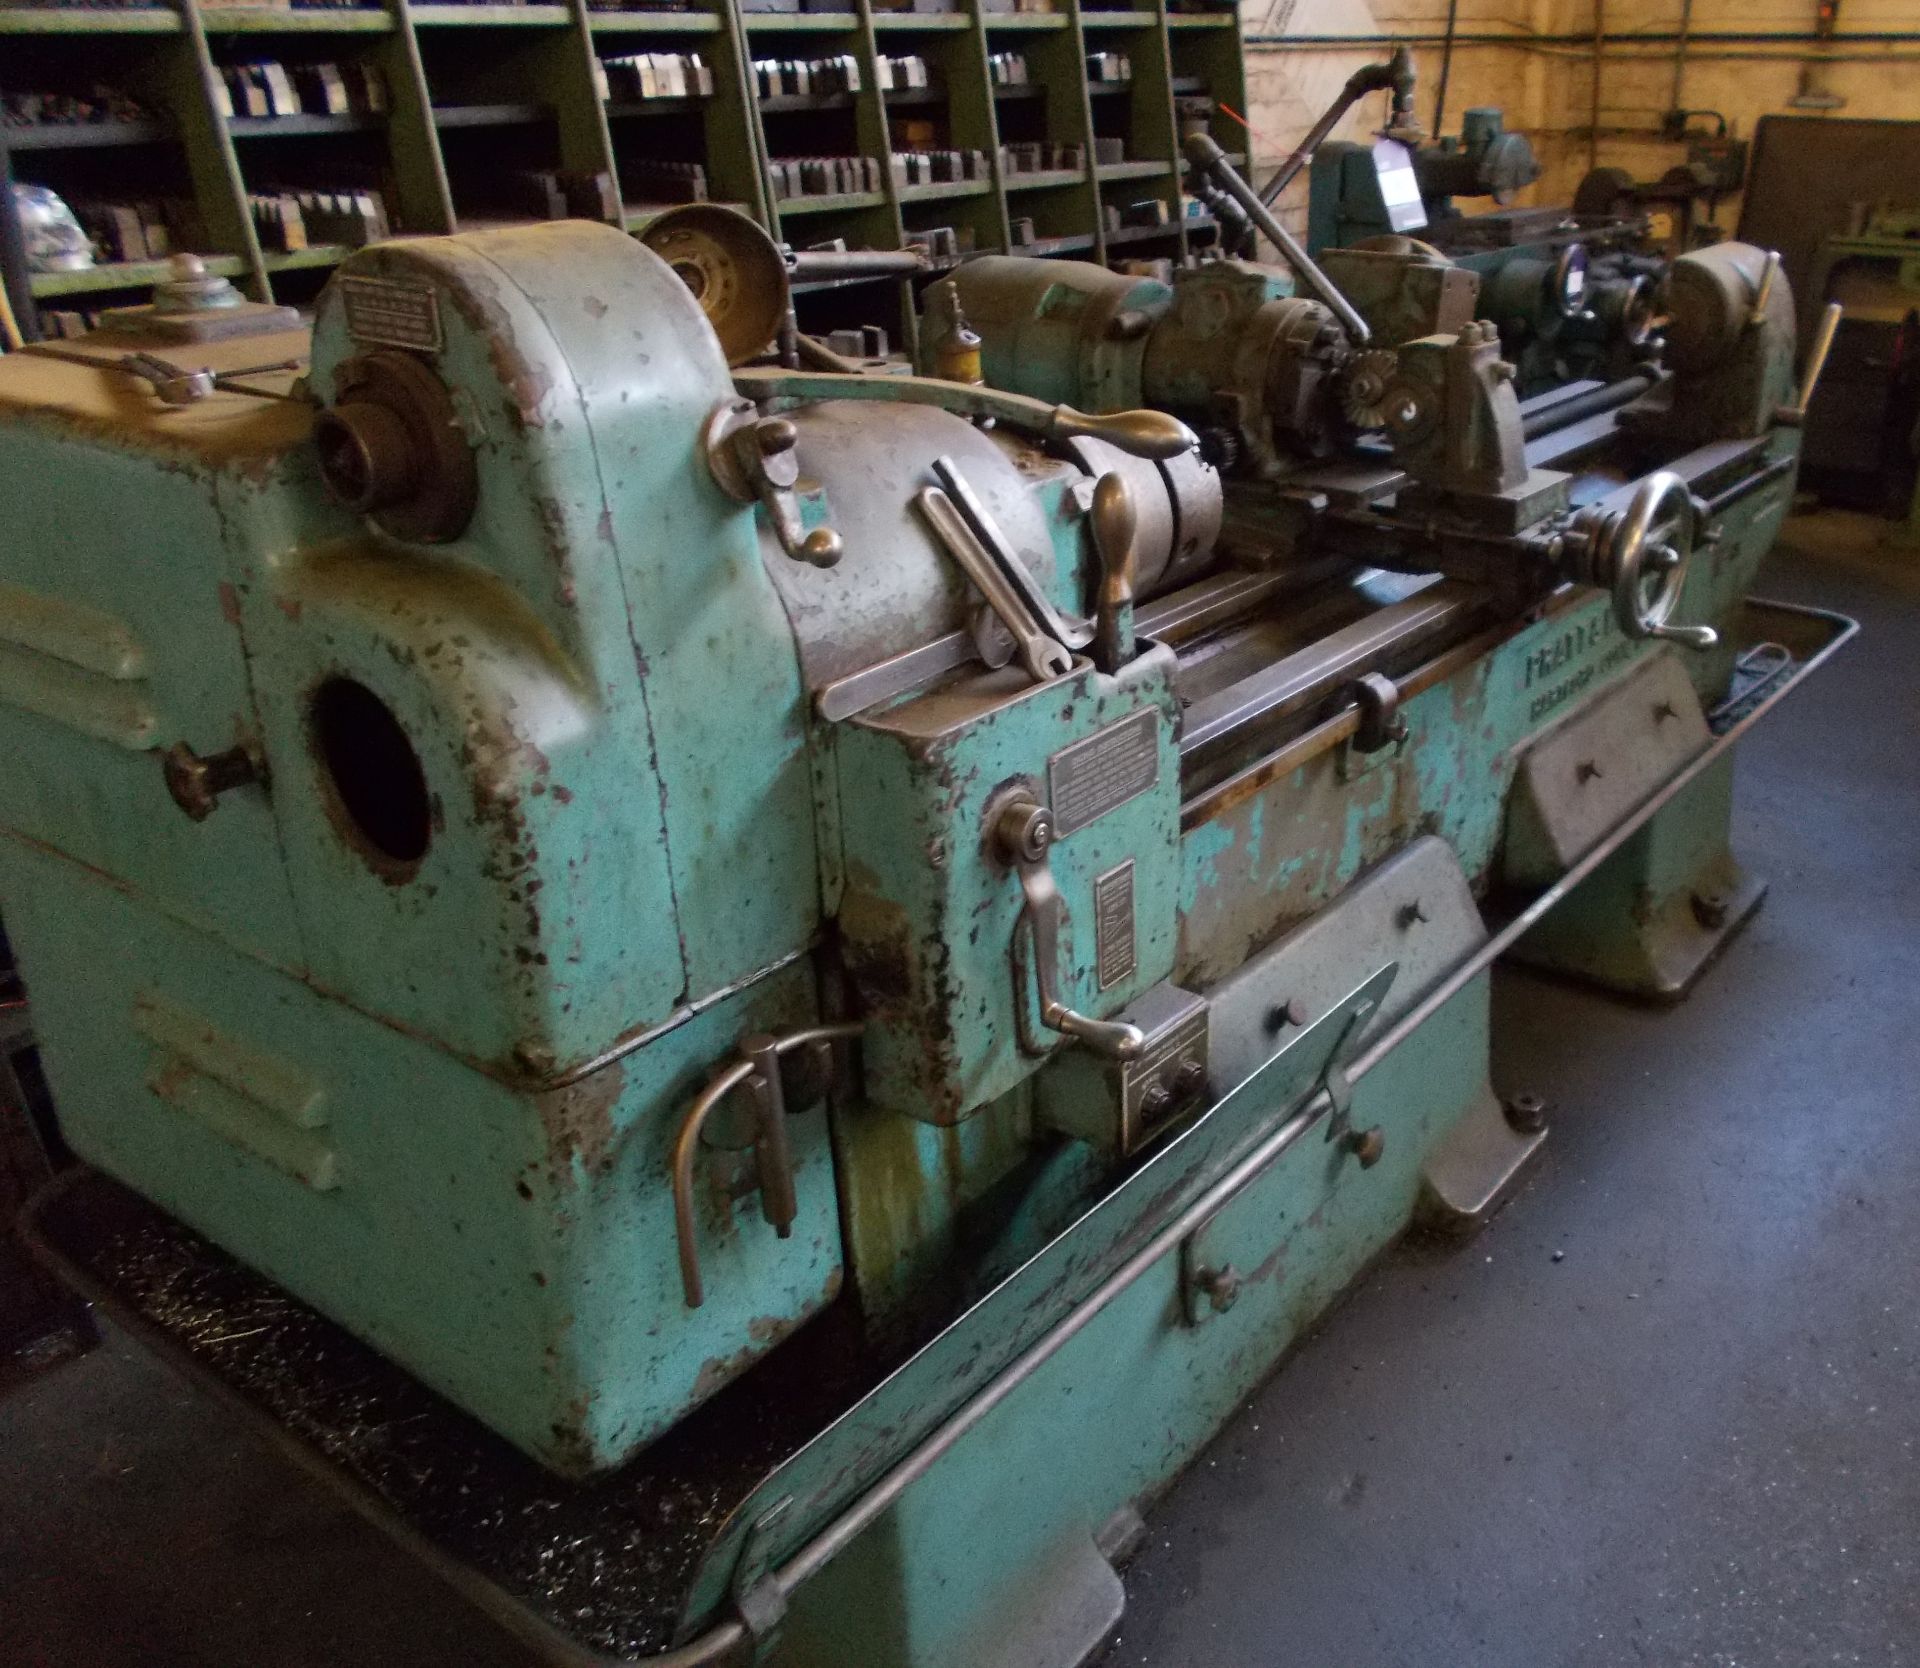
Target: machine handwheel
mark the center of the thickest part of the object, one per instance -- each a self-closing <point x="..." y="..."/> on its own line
<point x="1641" y="555"/>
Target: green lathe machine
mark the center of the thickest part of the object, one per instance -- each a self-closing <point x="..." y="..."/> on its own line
<point x="842" y="960"/>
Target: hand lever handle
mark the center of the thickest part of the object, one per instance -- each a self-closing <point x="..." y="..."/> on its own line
<point x="752" y="460"/>
<point x="1023" y="835"/>
<point x="1140" y="434"/>
<point x="1115" y="522"/>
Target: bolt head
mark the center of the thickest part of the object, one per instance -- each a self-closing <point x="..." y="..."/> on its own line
<point x="1711" y="909"/>
<point x="1367" y="1145"/>
<point x="1526" y="1113"/>
<point x="1283" y="1014"/>
<point x="186" y="778"/>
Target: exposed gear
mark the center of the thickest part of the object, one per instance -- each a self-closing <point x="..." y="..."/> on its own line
<point x="1363" y="391"/>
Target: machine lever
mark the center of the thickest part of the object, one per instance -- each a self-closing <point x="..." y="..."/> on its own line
<point x="1209" y="159"/>
<point x="1043" y="658"/>
<point x="1796" y="414"/>
<point x="752" y="460"/>
<point x="1023" y="836"/>
<point x="1074" y="633"/>
<point x="758" y="1071"/>
<point x="1140" y="434"/>
<point x="1115" y="522"/>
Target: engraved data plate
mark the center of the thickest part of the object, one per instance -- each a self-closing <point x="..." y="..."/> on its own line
<point x="1089" y="778"/>
<point x="1113" y="948"/>
<point x="383" y="313"/>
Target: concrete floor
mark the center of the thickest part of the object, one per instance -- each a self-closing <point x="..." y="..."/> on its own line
<point x="1663" y="1411"/>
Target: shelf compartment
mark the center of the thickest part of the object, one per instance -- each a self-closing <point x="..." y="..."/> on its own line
<point x="83" y="136"/>
<point x="784" y="104"/>
<point x="641" y="21"/>
<point x="942" y="189"/>
<point x="314" y="255"/>
<point x="319" y="20"/>
<point x="123" y="275"/>
<point x="1077" y="243"/>
<point x="487" y="115"/>
<point x="303" y="125"/>
<point x="801" y="23"/>
<point x="1145" y="234"/>
<point x="88" y="20"/>
<point x="1046" y="179"/>
<point x="523" y="17"/>
<point x="623" y="108"/>
<point x="841" y="202"/>
<point x="906" y="23"/>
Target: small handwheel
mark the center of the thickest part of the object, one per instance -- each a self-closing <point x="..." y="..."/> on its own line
<point x="1640" y="554"/>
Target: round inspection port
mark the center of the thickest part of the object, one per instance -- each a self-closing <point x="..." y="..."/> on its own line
<point x="372" y="777"/>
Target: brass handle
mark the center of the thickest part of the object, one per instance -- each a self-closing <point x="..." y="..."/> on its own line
<point x="1115" y="522"/>
<point x="1140" y="434"/>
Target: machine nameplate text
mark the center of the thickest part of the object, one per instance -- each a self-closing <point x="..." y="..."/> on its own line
<point x="1113" y="938"/>
<point x="386" y="314"/>
<point x="1088" y="779"/>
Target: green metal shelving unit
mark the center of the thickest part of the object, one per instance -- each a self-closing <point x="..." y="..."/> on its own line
<point x="475" y="90"/>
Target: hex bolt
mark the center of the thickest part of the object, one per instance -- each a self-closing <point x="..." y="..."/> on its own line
<point x="1526" y="1113"/>
<point x="1220" y="1285"/>
<point x="1710" y="909"/>
<point x="1283" y="1014"/>
<point x="1367" y="1145"/>
<point x="1411" y="914"/>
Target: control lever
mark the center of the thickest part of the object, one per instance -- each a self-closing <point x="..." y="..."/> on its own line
<point x="752" y="459"/>
<point x="1140" y="434"/>
<point x="1022" y="836"/>
<point x="758" y="1072"/>
<point x="1796" y="414"/>
<point x="1043" y="657"/>
<point x="1074" y="633"/>
<point x="171" y="384"/>
<point x="1115" y="521"/>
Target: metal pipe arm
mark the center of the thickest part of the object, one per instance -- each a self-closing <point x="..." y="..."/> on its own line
<point x="1396" y="72"/>
<point x="1210" y="160"/>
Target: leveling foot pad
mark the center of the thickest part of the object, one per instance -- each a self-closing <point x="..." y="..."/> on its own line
<point x="603" y="1564"/>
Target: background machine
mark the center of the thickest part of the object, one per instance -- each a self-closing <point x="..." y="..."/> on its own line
<point x="840" y="961"/>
